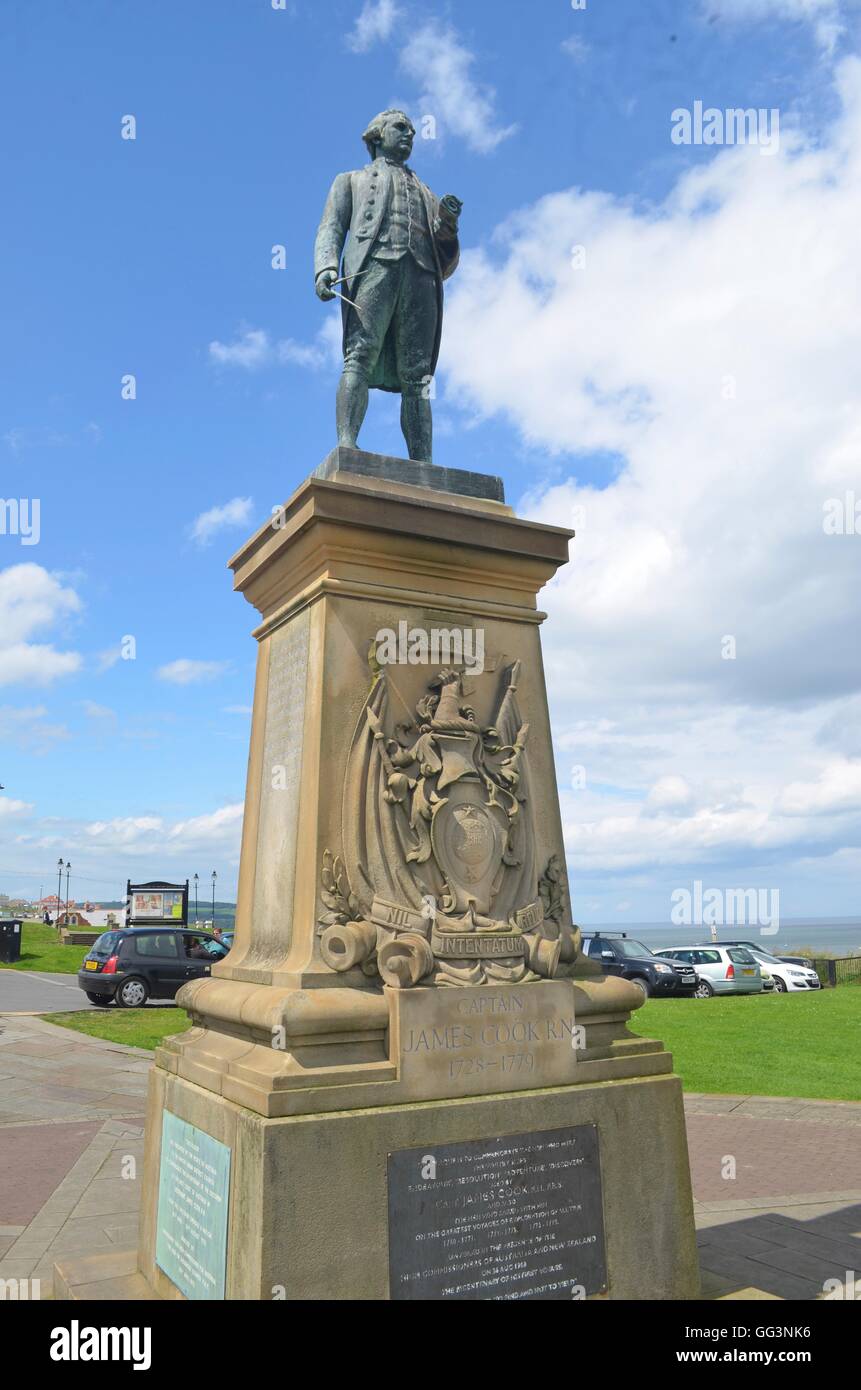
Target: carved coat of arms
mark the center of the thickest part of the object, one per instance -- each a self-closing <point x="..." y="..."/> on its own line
<point x="437" y="882"/>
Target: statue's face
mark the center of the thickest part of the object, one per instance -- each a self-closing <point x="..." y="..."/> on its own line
<point x="396" y="141"/>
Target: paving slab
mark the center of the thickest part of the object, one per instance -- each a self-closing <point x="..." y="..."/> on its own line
<point x="32" y="1168"/>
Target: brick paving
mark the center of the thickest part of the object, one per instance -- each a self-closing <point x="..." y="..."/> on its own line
<point x="32" y="1167"/>
<point x="784" y="1216"/>
<point x="739" y="1149"/>
<point x="784" y="1221"/>
<point x="71" y="1145"/>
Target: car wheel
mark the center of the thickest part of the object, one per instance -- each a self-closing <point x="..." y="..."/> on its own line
<point x="98" y="998"/>
<point x="780" y="985"/>
<point x="132" y="993"/>
<point x="703" y="990"/>
<point x="642" y="984"/>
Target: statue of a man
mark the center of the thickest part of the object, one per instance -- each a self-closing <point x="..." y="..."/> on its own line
<point x="402" y="245"/>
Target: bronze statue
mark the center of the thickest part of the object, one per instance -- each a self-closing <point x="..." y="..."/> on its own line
<point x="402" y="245"/>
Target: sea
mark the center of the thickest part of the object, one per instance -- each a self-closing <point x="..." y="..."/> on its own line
<point x="838" y="936"/>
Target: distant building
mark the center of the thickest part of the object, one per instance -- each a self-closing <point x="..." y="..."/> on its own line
<point x="99" y="917"/>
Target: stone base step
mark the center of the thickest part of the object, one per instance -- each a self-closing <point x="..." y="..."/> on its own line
<point x="112" y="1277"/>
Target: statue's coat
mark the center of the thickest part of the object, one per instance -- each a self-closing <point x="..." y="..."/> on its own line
<point x="356" y="205"/>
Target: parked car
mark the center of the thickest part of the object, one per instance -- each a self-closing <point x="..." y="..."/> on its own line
<point x="788" y="975"/>
<point x="720" y="969"/>
<point x="635" y="962"/>
<point x="129" y="966"/>
<point x="767" y="980"/>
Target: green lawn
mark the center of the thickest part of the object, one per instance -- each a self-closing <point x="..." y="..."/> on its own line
<point x="766" y="1045"/>
<point x="136" y="1027"/>
<point x="41" y="950"/>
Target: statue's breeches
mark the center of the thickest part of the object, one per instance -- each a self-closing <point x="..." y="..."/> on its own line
<point x="396" y="318"/>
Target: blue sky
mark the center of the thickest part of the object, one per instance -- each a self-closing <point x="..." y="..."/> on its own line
<point x="152" y="257"/>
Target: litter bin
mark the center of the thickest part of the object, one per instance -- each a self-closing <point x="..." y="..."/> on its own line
<point x="10" y="940"/>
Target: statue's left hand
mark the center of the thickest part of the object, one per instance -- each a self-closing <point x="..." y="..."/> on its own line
<point x="450" y="210"/>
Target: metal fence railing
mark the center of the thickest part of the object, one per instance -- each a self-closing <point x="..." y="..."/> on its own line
<point x="837" y="972"/>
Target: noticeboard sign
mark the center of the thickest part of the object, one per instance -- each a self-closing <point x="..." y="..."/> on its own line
<point x="149" y="904"/>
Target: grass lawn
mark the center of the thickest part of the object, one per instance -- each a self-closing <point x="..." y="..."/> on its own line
<point x="136" y="1027"/>
<point x="761" y="1044"/>
<point x="41" y="950"/>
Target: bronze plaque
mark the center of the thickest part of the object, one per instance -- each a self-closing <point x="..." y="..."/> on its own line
<point x="517" y="1217"/>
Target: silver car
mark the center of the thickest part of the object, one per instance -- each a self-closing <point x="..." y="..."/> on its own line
<point x="720" y="969"/>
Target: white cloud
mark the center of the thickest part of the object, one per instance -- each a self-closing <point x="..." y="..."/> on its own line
<point x="576" y="48"/>
<point x="31" y="599"/>
<point x="373" y="24"/>
<point x="107" y="658"/>
<point x="237" y="709"/>
<point x="670" y="794"/>
<point x="28" y="728"/>
<point x="24" y="437"/>
<point x="187" y="672"/>
<point x="823" y="15"/>
<point x="837" y="788"/>
<point x="251" y="350"/>
<point x="233" y="513"/>
<point x="124" y="830"/>
<point x="140" y="845"/>
<point x="255" y="349"/>
<point x="100" y="712"/>
<point x="707" y="353"/>
<point x="436" y="58"/>
<point x="146" y="835"/>
<point x="225" y="823"/>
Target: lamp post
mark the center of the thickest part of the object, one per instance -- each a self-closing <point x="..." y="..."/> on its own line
<point x="60" y="867"/>
<point x="68" y="872"/>
<point x="195" y="899"/>
<point x="213" y="897"/>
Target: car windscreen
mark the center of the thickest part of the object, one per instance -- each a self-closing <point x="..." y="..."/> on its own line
<point x="105" y="945"/>
<point x="635" y="949"/>
<point x="740" y="956"/>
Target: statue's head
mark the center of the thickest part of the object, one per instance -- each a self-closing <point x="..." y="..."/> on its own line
<point x="390" y="133"/>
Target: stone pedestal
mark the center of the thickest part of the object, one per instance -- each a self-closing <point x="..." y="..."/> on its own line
<point x="405" y="972"/>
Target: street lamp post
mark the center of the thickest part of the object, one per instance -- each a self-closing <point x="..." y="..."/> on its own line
<point x="213" y="897"/>
<point x="195" y="899"/>
<point x="68" y="872"/>
<point x="60" y="867"/>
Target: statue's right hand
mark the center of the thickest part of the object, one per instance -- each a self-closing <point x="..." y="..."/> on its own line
<point x="325" y="279"/>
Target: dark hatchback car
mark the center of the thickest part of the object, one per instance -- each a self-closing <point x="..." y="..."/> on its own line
<point x="131" y="966"/>
<point x="635" y="962"/>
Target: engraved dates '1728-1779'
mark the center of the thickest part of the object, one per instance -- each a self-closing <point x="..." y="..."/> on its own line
<point x="438" y="881"/>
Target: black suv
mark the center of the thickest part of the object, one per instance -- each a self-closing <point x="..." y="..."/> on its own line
<point x="635" y="962"/>
<point x="132" y="965"/>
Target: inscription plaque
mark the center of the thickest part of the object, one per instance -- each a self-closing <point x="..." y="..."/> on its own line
<point x="282" y="771"/>
<point x="486" y="1039"/>
<point x="516" y="1217"/>
<point x="193" y="1189"/>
